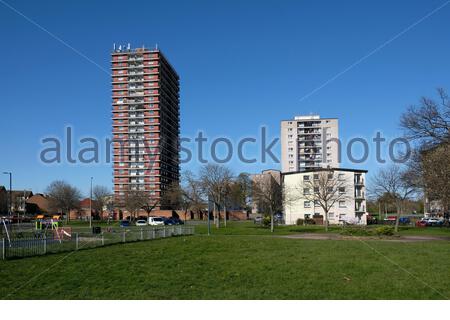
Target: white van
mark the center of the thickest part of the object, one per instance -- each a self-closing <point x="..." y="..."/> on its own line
<point x="155" y="221"/>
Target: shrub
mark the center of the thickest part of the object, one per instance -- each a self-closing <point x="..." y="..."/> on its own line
<point x="385" y="231"/>
<point x="266" y="221"/>
<point x="300" y="222"/>
<point x="356" y="231"/>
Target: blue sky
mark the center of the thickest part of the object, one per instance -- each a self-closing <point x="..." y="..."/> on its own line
<point x="243" y="65"/>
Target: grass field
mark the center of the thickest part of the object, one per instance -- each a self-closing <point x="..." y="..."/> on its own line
<point x="252" y="264"/>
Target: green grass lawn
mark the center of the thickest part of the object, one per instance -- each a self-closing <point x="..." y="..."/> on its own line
<point x="254" y="266"/>
<point x="249" y="228"/>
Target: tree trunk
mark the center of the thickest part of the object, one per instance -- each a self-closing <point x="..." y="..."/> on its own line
<point x="271" y="220"/>
<point x="326" y="221"/>
<point x="225" y="215"/>
<point x="397" y="218"/>
<point x="217" y="215"/>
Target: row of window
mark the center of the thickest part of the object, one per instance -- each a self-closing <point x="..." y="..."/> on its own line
<point x="307" y="191"/>
<point x="307" y="204"/>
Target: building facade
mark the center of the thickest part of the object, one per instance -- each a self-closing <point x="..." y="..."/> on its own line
<point x="351" y="209"/>
<point x="263" y="177"/>
<point x="145" y="122"/>
<point x="309" y="142"/>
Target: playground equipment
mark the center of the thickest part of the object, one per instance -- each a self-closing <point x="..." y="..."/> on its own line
<point x="6" y="230"/>
<point x="54" y="225"/>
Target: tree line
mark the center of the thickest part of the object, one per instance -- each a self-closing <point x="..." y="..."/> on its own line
<point x="427" y="172"/>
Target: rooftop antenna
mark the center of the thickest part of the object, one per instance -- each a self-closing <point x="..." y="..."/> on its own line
<point x="156" y="46"/>
<point x="129" y="46"/>
<point x="114" y="46"/>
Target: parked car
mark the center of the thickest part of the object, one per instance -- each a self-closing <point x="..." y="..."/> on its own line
<point x="155" y="221"/>
<point x="124" y="223"/>
<point x="258" y="219"/>
<point x="278" y="217"/>
<point x="141" y="223"/>
<point x="421" y="223"/>
<point x="434" y="222"/>
<point x="176" y="221"/>
<point x="170" y="221"/>
<point x="404" y="220"/>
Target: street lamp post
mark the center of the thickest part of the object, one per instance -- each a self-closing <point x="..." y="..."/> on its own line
<point x="10" y="193"/>
<point x="90" y="207"/>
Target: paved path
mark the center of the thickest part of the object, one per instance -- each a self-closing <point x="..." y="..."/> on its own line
<point x="335" y="236"/>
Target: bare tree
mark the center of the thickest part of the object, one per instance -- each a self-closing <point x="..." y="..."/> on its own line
<point x="101" y="195"/>
<point x="187" y="195"/>
<point x="428" y="123"/>
<point x="215" y="180"/>
<point x="267" y="192"/>
<point x="436" y="174"/>
<point x="429" y="126"/>
<point x="324" y="189"/>
<point x="63" y="196"/>
<point x="241" y="191"/>
<point x="393" y="182"/>
<point x="150" y="202"/>
<point x="134" y="201"/>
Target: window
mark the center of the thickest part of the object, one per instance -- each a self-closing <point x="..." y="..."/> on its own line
<point x="316" y="190"/>
<point x="305" y="178"/>
<point x="307" y="204"/>
<point x="341" y="190"/>
<point x="331" y="215"/>
<point x="306" y="191"/>
<point x="316" y="203"/>
<point x="342" y="204"/>
<point x="341" y="176"/>
<point x="330" y="175"/>
<point x="316" y="176"/>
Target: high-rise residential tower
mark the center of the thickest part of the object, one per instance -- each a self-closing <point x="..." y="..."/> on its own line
<point x="309" y="142"/>
<point x="146" y="122"/>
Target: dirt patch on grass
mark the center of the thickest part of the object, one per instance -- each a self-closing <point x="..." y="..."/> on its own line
<point x="334" y="236"/>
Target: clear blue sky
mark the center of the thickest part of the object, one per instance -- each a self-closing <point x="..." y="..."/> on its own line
<point x="243" y="64"/>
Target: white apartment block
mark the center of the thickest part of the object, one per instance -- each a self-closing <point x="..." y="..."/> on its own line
<point x="351" y="210"/>
<point x="309" y="142"/>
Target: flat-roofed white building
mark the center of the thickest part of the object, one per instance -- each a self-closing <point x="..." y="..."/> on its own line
<point x="300" y="191"/>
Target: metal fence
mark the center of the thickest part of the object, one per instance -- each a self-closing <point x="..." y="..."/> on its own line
<point x="40" y="245"/>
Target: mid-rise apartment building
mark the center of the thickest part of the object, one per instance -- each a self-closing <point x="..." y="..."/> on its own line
<point x="349" y="201"/>
<point x="309" y="142"/>
<point x="145" y="122"/>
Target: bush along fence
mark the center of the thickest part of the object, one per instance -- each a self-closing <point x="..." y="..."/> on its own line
<point x="53" y="243"/>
